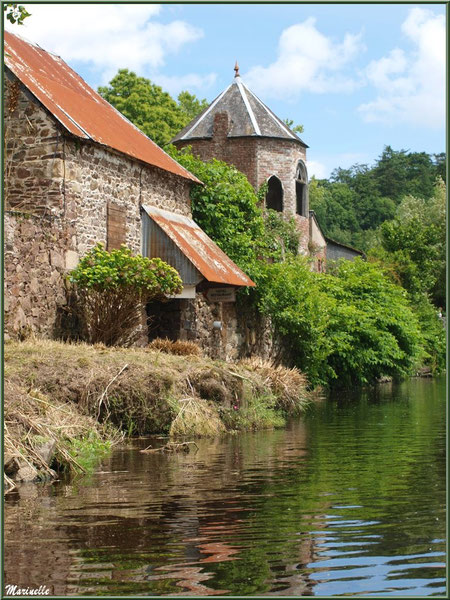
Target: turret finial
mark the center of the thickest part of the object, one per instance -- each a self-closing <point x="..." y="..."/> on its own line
<point x="236" y="69"/>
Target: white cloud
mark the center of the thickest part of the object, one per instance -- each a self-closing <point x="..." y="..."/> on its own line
<point x="174" y="85"/>
<point x="317" y="169"/>
<point x="307" y="61"/>
<point x="109" y="37"/>
<point x="411" y="85"/>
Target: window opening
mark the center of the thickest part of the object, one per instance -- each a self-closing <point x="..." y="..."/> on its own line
<point x="301" y="190"/>
<point x="274" y="196"/>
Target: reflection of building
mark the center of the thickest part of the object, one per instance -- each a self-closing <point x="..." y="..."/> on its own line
<point x="241" y="130"/>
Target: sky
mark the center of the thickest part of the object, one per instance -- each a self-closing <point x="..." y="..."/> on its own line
<point x="358" y="77"/>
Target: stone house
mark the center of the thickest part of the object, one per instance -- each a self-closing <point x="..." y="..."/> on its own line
<point x="238" y="128"/>
<point x="77" y="173"/>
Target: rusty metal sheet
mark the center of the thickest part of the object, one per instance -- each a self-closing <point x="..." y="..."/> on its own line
<point x="203" y="253"/>
<point x="81" y="110"/>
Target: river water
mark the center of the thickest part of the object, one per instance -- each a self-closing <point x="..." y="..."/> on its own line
<point x="348" y="500"/>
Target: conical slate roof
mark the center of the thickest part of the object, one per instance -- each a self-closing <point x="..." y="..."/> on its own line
<point x="249" y="116"/>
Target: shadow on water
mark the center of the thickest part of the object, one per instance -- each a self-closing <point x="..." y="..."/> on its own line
<point x="348" y="500"/>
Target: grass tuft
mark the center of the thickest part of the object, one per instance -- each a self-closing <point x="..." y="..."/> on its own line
<point x="179" y="348"/>
<point x="288" y="385"/>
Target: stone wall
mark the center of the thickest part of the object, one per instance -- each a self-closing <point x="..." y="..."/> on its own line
<point x="34" y="150"/>
<point x="244" y="332"/>
<point x="239" y="152"/>
<point x="37" y="254"/>
<point x="62" y="187"/>
<point x="96" y="176"/>
<point x="258" y="158"/>
<point x="317" y="245"/>
<point x="57" y="193"/>
<point x="280" y="157"/>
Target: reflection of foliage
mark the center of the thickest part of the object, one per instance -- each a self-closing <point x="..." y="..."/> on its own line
<point x="362" y="473"/>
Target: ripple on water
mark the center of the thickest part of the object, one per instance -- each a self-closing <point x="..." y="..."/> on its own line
<point x="349" y="500"/>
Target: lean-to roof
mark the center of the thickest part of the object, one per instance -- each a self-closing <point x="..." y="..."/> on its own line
<point x="214" y="265"/>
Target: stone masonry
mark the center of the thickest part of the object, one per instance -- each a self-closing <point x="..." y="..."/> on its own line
<point x="57" y="192"/>
<point x="258" y="158"/>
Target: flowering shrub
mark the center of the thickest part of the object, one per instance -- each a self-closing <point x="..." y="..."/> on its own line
<point x="112" y="289"/>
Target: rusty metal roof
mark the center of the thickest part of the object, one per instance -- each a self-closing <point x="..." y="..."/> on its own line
<point x="203" y="253"/>
<point x="81" y="110"/>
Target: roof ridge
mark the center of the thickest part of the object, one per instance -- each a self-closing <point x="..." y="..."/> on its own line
<point x="211" y="106"/>
<point x="242" y="89"/>
<point x="271" y="114"/>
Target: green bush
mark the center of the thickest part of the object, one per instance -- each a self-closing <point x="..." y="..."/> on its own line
<point x="112" y="289"/>
<point x="349" y="327"/>
<point x="372" y="329"/>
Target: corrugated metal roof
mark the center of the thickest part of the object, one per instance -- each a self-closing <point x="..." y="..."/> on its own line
<point x="81" y="110"/>
<point x="249" y="117"/>
<point x="157" y="244"/>
<point x="202" y="252"/>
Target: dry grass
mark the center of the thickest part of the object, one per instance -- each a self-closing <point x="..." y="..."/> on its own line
<point x="288" y="385"/>
<point x="196" y="417"/>
<point x="31" y="418"/>
<point x="56" y="389"/>
<point x="179" y="348"/>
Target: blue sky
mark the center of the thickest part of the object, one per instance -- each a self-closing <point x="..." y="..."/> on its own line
<point x="357" y="76"/>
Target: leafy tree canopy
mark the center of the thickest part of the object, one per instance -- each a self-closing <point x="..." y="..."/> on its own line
<point x="372" y="194"/>
<point x="294" y="128"/>
<point x="349" y="327"/>
<point x="413" y="244"/>
<point x="150" y="108"/>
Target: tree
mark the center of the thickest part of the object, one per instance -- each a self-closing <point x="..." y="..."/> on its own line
<point x="414" y="244"/>
<point x="440" y="165"/>
<point x="294" y="128"/>
<point x="149" y="107"/>
<point x="225" y="207"/>
<point x="145" y="104"/>
<point x="345" y="328"/>
<point x="190" y="106"/>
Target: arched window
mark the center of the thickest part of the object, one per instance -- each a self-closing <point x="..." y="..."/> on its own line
<point x="274" y="196"/>
<point x="301" y="189"/>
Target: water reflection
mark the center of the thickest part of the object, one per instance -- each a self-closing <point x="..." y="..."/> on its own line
<point x="349" y="500"/>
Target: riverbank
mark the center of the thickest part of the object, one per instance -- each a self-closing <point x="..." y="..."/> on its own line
<point x="66" y="404"/>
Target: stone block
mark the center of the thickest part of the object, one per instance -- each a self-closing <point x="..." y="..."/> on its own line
<point x="71" y="259"/>
<point x="57" y="169"/>
<point x="56" y="259"/>
<point x="26" y="474"/>
<point x="34" y="285"/>
<point x="74" y="186"/>
<point x="46" y="450"/>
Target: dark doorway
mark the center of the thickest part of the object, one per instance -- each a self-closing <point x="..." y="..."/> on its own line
<point x="274" y="196"/>
<point x="164" y="319"/>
